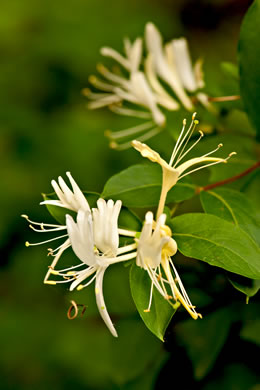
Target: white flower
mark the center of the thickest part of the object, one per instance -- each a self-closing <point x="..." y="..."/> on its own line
<point x="142" y="87"/>
<point x="154" y="251"/>
<point x="174" y="171"/>
<point x="72" y="200"/>
<point x="84" y="242"/>
<point x="94" y="238"/>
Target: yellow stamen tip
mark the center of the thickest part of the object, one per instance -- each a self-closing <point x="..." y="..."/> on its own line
<point x="85" y="91"/>
<point x="201" y="133"/>
<point x="92" y="79"/>
<point x="71" y="273"/>
<point x="146" y="310"/>
<point x="232" y="154"/>
<point x="196" y="122"/>
<point x="184" y="121"/>
<point x="107" y="133"/>
<point x="27" y="244"/>
<point x="24" y="216"/>
<point x="80" y="287"/>
<point x="50" y="282"/>
<point x="220" y="145"/>
<point x="194" y="116"/>
<point x="113" y="145"/>
<point x="53" y="272"/>
<point x="101" y="69"/>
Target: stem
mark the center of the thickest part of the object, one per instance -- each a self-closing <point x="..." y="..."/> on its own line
<point x="223" y="98"/>
<point x="229" y="180"/>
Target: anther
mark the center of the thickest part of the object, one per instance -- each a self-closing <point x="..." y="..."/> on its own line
<point x="194" y="116"/>
<point x="220" y="145"/>
<point x="184" y="122"/>
<point x="201" y="133"/>
<point x="27" y="244"/>
<point x="113" y="145"/>
<point x="85" y="91"/>
<point x="196" y="122"/>
<point x="232" y="154"/>
<point x="147" y="310"/>
<point x="50" y="282"/>
<point x="80" y="287"/>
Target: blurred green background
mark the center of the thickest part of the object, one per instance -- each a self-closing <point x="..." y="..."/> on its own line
<point x="48" y="50"/>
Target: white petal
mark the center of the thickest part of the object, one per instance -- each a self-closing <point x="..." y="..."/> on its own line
<point x="101" y="303"/>
<point x="183" y="63"/>
<point x="81" y="237"/>
<point x="80" y="198"/>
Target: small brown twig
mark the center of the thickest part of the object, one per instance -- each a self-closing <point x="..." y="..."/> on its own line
<point x="229" y="180"/>
<point x="224" y="98"/>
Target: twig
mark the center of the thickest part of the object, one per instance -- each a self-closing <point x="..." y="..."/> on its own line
<point x="229" y="180"/>
<point x="224" y="98"/>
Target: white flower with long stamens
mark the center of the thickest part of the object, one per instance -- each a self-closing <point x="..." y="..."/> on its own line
<point x="94" y="238"/>
<point x="72" y="200"/>
<point x="97" y="248"/>
<point x="175" y="170"/>
<point x="154" y="251"/>
<point x="139" y="84"/>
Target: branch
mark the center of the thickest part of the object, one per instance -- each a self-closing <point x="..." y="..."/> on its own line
<point x="223" y="98"/>
<point x="229" y="180"/>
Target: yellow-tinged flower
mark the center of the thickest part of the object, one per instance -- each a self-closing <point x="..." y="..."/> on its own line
<point x="175" y="170"/>
<point x="94" y="238"/>
<point x="154" y="250"/>
<point x="138" y="82"/>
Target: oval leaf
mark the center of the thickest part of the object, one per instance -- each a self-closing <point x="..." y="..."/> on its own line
<point x="140" y="186"/>
<point x="218" y="242"/>
<point x="158" y="318"/>
<point x="233" y="206"/>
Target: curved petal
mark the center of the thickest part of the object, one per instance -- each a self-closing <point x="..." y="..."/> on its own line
<point x="101" y="303"/>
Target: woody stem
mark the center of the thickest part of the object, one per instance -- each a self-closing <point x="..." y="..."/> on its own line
<point x="229" y="180"/>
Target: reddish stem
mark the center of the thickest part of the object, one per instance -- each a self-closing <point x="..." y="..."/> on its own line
<point x="229" y="180"/>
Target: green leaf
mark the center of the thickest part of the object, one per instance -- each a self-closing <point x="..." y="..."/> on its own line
<point x="249" y="63"/>
<point x="217" y="242"/>
<point x="230" y="69"/>
<point x="140" y="186"/>
<point x="59" y="213"/>
<point x="158" y="318"/>
<point x="233" y="206"/>
<point x="204" y="339"/>
<point x="248" y="287"/>
<point x="250" y="331"/>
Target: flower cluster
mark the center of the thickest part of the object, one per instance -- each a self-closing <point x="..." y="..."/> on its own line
<point x="93" y="233"/>
<point x="164" y="79"/>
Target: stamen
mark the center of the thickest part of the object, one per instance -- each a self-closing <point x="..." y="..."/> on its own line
<point x="42" y="230"/>
<point x="111" y="76"/>
<point x="186" y="136"/>
<point x="181" y="156"/>
<point x="128" y="112"/>
<point x="126" y="248"/>
<point x="132" y="130"/>
<point x="205" y="166"/>
<point x="125" y="232"/>
<point x="44" y="242"/>
<point x="213" y="151"/>
<point x="150" y="299"/>
<point x="81" y="286"/>
<point x="177" y="142"/>
<point x="97" y="83"/>
<point x="106" y="101"/>
<point x="142" y="138"/>
<point x="42" y="224"/>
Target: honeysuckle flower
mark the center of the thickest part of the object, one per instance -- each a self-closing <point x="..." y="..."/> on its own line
<point x="154" y="251"/>
<point x="138" y="82"/>
<point x="72" y="200"/>
<point x="172" y="63"/>
<point x="175" y="170"/>
<point x="94" y="238"/>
